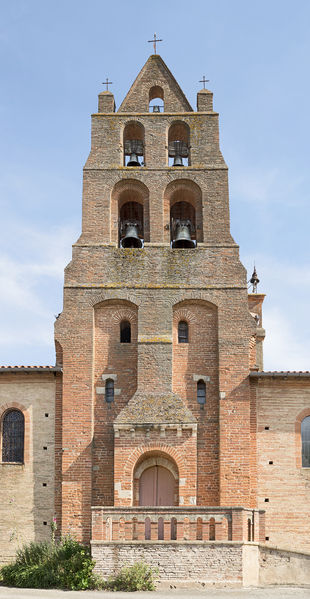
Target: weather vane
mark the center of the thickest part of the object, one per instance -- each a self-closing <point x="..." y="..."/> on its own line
<point x="107" y="83"/>
<point x="154" y="41"/>
<point x="204" y="81"/>
<point x="254" y="280"/>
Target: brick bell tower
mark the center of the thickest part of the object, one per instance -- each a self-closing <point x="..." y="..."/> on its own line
<point x="155" y="338"/>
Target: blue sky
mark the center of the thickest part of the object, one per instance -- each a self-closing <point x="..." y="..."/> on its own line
<point x="54" y="56"/>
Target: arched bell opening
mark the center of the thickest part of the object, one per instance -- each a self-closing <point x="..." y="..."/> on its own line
<point x="133" y="143"/>
<point x="156" y="481"/>
<point x="183" y="202"/>
<point x="179" y="144"/>
<point x="131" y="230"/>
<point x="183" y="226"/>
<point x="156" y="99"/>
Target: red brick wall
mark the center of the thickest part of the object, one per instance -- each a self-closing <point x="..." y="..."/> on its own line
<point x="200" y="357"/>
<point x="113" y="357"/>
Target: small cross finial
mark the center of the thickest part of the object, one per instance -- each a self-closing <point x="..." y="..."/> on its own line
<point x="107" y="83"/>
<point x="154" y="41"/>
<point x="204" y="81"/>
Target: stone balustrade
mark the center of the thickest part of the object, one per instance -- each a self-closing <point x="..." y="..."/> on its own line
<point x="193" y="523"/>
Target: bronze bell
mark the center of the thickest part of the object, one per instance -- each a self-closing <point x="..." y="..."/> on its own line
<point x="131" y="238"/>
<point x="177" y="161"/>
<point x="183" y="236"/>
<point x="156" y="108"/>
<point x="133" y="160"/>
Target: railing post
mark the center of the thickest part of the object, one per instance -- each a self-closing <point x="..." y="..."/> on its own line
<point x="193" y="530"/>
<point x="221" y="529"/>
<point x="140" y="529"/>
<point x="115" y="530"/>
<point x="205" y="530"/>
<point x="186" y="529"/>
<point x="97" y="525"/>
<point x="154" y="530"/>
<point x="262" y="531"/>
<point x="237" y="525"/>
<point x="167" y="530"/>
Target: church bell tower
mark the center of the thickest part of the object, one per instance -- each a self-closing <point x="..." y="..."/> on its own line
<point x="155" y="338"/>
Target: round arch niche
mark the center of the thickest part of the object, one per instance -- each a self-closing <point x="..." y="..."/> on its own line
<point x="186" y="196"/>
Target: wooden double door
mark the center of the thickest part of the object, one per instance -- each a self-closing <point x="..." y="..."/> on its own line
<point x="157" y="487"/>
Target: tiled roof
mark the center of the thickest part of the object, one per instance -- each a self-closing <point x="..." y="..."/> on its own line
<point x="280" y="373"/>
<point x="23" y="368"/>
<point x="144" y="408"/>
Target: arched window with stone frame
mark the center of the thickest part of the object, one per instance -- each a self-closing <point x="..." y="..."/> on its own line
<point x="13" y="435"/>
<point x="201" y="393"/>
<point x="109" y="391"/>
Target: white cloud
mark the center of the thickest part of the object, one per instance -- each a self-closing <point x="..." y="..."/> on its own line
<point x="285" y="313"/>
<point x="31" y="284"/>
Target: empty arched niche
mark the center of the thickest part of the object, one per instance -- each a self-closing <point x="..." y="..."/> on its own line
<point x="183" y="213"/>
<point x="178" y="144"/>
<point x="130" y="214"/>
<point x="133" y="143"/>
<point x="156" y="99"/>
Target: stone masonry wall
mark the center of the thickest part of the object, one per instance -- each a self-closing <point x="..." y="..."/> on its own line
<point x="189" y="562"/>
<point x="283" y="485"/>
<point x="27" y="490"/>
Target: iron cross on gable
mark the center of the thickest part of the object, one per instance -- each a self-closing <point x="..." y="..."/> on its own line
<point x="107" y="83"/>
<point x="204" y="81"/>
<point x="154" y="41"/>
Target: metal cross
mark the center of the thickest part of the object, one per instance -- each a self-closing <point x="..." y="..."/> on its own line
<point x="204" y="81"/>
<point x="107" y="83"/>
<point x="155" y="41"/>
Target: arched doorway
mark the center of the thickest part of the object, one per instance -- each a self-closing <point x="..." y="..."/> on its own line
<point x="156" y="487"/>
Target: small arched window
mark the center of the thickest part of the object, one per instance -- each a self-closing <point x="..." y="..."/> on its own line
<point x="201" y="392"/>
<point x="13" y="427"/>
<point x="305" y="442"/>
<point x="182" y="332"/>
<point x="125" y="331"/>
<point x="109" y="390"/>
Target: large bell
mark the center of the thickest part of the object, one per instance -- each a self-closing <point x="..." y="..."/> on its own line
<point x="133" y="160"/>
<point x="183" y="236"/>
<point x="156" y="108"/>
<point x="177" y="161"/>
<point x="131" y="238"/>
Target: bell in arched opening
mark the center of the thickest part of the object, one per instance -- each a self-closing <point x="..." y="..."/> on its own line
<point x="130" y="234"/>
<point x="178" y="150"/>
<point x="133" y="149"/>
<point x="182" y="230"/>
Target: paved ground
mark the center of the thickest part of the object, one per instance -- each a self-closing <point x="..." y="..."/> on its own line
<point x="280" y="592"/>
